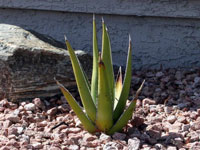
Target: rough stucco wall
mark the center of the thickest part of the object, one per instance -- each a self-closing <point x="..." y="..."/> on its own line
<point x="171" y="42"/>
<point x="167" y="8"/>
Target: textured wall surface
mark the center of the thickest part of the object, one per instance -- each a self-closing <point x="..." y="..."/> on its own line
<point x="167" y="8"/>
<point x="163" y="32"/>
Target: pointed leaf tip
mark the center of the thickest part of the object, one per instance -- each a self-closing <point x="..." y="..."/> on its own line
<point x="102" y="20"/>
<point x="65" y="38"/>
<point x="93" y="16"/>
<point x="129" y="38"/>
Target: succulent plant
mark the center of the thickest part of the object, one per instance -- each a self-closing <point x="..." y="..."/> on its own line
<point x="104" y="100"/>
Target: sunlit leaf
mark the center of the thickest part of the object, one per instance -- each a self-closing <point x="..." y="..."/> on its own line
<point x="94" y="83"/>
<point x="118" y="87"/>
<point x="126" y="116"/>
<point x="81" y="81"/>
<point x="104" y="106"/>
<point x="107" y="59"/>
<point x="87" y="123"/>
<point x="126" y="86"/>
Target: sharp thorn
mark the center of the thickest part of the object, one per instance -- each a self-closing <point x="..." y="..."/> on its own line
<point x="129" y="38"/>
<point x="102" y="20"/>
<point x="93" y="16"/>
<point x="65" y="38"/>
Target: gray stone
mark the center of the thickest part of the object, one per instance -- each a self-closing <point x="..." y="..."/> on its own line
<point x="29" y="107"/>
<point x="29" y="62"/>
<point x="133" y="144"/>
<point x="195" y="146"/>
<point x="110" y="146"/>
<point x="197" y="80"/>
<point x="159" y="74"/>
<point x="13" y="118"/>
<point x="171" y="119"/>
<point x="195" y="125"/>
<point x="119" y="136"/>
<point x="20" y="130"/>
<point x="185" y="127"/>
<point x="105" y="137"/>
<point x="74" y="147"/>
<point x="171" y="148"/>
<point x="168" y="109"/>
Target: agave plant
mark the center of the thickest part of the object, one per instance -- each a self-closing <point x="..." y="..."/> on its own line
<point x="104" y="100"/>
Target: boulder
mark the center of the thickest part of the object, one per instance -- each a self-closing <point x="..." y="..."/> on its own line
<point x="29" y="61"/>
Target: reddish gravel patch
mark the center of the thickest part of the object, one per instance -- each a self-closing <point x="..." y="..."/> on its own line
<point x="167" y="117"/>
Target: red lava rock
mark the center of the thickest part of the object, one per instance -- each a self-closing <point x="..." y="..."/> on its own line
<point x="91" y="144"/>
<point x="168" y="109"/>
<point x="137" y="121"/>
<point x="193" y="115"/>
<point x="193" y="137"/>
<point x="105" y="137"/>
<point x="13" y="118"/>
<point x="38" y="103"/>
<point x="171" y="148"/>
<point x="198" y="112"/>
<point x="156" y="127"/>
<point x="42" y="124"/>
<point x="195" y="125"/>
<point x="4" y="103"/>
<point x="2" y="109"/>
<point x="74" y="147"/>
<point x="176" y="127"/>
<point x="73" y="138"/>
<point x="88" y="137"/>
<point x="148" y="101"/>
<point x="7" y="123"/>
<point x="5" y="148"/>
<point x="185" y="127"/>
<point x="29" y="107"/>
<point x="171" y="119"/>
<point x="37" y="145"/>
<point x="12" y="130"/>
<point x="112" y="145"/>
<point x="12" y="106"/>
<point x="181" y="119"/>
<point x="138" y="103"/>
<point x="12" y="136"/>
<point x="52" y="111"/>
<point x="14" y="143"/>
<point x="195" y="146"/>
<point x="64" y="108"/>
<point x="54" y="148"/>
<point x="71" y="130"/>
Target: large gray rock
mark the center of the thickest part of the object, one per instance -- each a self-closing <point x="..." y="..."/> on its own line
<point x="29" y="62"/>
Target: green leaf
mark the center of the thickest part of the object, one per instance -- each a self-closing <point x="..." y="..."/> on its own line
<point x="107" y="59"/>
<point x="104" y="106"/>
<point x="85" y="76"/>
<point x="82" y="84"/>
<point x="126" y="116"/>
<point x="126" y="86"/>
<point x="118" y="86"/>
<point x="94" y="83"/>
<point x="87" y="123"/>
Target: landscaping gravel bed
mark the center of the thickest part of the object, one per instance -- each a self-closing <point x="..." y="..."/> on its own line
<point x="167" y="117"/>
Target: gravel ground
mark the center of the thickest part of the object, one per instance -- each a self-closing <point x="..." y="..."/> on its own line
<point x="167" y="117"/>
